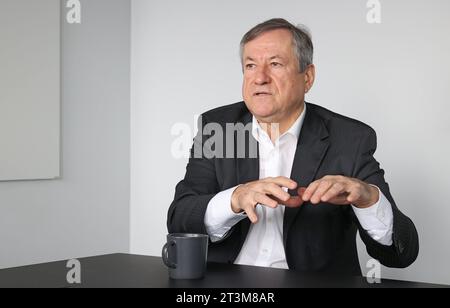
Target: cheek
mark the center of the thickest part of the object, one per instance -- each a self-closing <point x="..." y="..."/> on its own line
<point x="294" y="87"/>
<point x="284" y="87"/>
<point x="245" y="87"/>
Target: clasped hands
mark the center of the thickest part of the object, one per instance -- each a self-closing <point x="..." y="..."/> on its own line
<point x="332" y="189"/>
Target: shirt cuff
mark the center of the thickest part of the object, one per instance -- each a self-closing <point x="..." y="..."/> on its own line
<point x="219" y="217"/>
<point x="377" y="220"/>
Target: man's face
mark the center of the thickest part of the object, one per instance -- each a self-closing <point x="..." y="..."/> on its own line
<point x="273" y="86"/>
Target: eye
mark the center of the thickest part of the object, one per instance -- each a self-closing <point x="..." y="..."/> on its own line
<point x="276" y="64"/>
<point x="250" y="66"/>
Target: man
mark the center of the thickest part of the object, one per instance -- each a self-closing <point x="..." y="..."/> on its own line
<point x="313" y="183"/>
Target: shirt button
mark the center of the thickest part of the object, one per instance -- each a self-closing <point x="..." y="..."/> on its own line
<point x="265" y="250"/>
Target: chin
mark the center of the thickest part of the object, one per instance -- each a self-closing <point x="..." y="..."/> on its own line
<point x="260" y="109"/>
<point x="262" y="113"/>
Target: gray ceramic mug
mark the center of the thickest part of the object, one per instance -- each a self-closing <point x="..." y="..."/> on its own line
<point x="185" y="255"/>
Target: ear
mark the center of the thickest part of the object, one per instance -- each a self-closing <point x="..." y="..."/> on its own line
<point x="310" y="76"/>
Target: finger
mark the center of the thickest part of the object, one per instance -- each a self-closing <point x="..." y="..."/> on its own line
<point x="251" y="213"/>
<point x="354" y="196"/>
<point x="339" y="199"/>
<point x="301" y="191"/>
<point x="321" y="189"/>
<point x="295" y="201"/>
<point x="282" y="181"/>
<point x="276" y="191"/>
<point x="310" y="190"/>
<point x="335" y="190"/>
<point x="265" y="200"/>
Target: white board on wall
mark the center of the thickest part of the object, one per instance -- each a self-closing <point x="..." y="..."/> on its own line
<point x="29" y="89"/>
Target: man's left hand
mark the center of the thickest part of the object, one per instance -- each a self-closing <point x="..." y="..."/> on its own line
<point x="340" y="190"/>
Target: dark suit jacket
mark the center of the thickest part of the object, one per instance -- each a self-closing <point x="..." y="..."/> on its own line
<point x="315" y="238"/>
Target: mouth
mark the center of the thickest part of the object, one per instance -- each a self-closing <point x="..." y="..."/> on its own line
<point x="262" y="93"/>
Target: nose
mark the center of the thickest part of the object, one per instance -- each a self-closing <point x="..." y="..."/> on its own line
<point x="262" y="77"/>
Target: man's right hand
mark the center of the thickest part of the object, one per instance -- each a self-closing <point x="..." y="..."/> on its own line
<point x="268" y="192"/>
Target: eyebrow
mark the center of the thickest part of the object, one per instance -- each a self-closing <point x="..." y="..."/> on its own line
<point x="271" y="58"/>
<point x="276" y="57"/>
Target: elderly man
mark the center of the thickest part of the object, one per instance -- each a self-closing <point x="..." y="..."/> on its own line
<point x="313" y="183"/>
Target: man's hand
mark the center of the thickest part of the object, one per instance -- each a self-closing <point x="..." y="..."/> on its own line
<point x="266" y="192"/>
<point x="334" y="189"/>
<point x="340" y="190"/>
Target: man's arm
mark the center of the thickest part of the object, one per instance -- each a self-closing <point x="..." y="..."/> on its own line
<point x="192" y="195"/>
<point x="405" y="246"/>
<point x="219" y="216"/>
<point x="377" y="220"/>
<point x="367" y="190"/>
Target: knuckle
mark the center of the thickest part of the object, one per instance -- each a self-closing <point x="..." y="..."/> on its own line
<point x="338" y="187"/>
<point x="325" y="182"/>
<point x="257" y="195"/>
<point x="273" y="186"/>
<point x="258" y="186"/>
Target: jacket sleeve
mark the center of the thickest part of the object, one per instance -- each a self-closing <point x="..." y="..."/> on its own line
<point x="405" y="248"/>
<point x="192" y="195"/>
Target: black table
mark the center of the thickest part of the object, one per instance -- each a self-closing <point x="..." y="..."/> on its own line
<point x="124" y="270"/>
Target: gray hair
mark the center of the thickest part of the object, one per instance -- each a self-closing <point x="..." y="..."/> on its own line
<point x="301" y="39"/>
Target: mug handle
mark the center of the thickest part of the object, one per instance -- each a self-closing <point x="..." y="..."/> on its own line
<point x="165" y="255"/>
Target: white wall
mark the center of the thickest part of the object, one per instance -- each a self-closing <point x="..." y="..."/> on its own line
<point x="86" y="212"/>
<point x="393" y="76"/>
<point x="30" y="91"/>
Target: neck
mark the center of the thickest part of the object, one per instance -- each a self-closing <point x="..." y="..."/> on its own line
<point x="275" y="128"/>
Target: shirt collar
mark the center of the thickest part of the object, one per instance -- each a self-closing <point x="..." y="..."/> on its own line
<point x="294" y="130"/>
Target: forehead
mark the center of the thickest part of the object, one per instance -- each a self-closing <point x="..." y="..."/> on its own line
<point x="277" y="41"/>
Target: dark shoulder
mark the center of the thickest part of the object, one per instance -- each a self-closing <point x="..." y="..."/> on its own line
<point x="335" y="122"/>
<point x="339" y="124"/>
<point x="227" y="114"/>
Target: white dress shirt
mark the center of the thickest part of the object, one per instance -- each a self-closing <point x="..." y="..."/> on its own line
<point x="264" y="243"/>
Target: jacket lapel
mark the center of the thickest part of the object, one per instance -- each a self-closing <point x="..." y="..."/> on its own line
<point x="247" y="168"/>
<point x="311" y="148"/>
